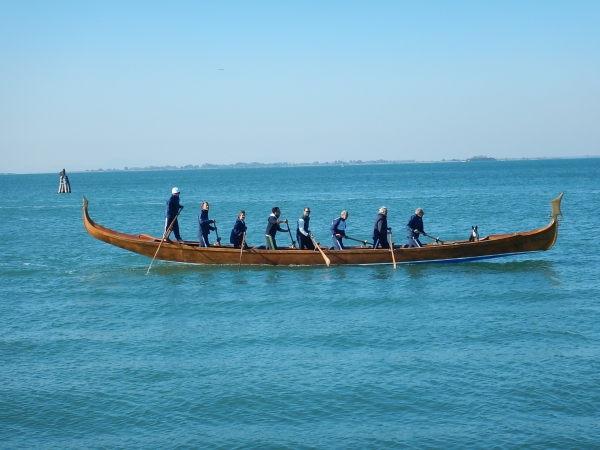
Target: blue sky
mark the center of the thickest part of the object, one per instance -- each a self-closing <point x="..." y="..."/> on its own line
<point x="87" y="85"/>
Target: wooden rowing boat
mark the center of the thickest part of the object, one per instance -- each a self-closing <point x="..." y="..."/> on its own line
<point x="189" y="252"/>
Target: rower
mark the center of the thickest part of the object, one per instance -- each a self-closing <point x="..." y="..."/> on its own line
<point x="273" y="227"/>
<point x="303" y="232"/>
<point x="171" y="213"/>
<point x="338" y="230"/>
<point x="204" y="227"/>
<point x="380" y="229"/>
<point x="238" y="230"/>
<point x="414" y="228"/>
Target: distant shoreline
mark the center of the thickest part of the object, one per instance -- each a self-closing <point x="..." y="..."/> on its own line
<point x="257" y="165"/>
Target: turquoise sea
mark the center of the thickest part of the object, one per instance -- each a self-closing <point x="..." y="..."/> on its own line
<point x="502" y="353"/>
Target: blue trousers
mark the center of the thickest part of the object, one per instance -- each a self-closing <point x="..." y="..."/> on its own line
<point x="378" y="242"/>
<point x="174" y="228"/>
<point x="414" y="242"/>
<point x="337" y="243"/>
<point x="203" y="240"/>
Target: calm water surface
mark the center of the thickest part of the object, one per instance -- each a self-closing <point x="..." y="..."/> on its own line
<point x="503" y="353"/>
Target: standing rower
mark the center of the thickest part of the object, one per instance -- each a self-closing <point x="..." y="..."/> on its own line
<point x="273" y="227"/>
<point x="204" y="227"/>
<point x="380" y="230"/>
<point x="238" y="230"/>
<point x="173" y="208"/>
<point x="338" y="230"/>
<point x="303" y="232"/>
<point x="414" y="228"/>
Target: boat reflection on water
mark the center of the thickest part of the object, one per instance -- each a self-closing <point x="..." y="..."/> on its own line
<point x="529" y="267"/>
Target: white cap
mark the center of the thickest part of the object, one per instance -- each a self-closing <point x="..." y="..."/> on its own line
<point x="175" y="190"/>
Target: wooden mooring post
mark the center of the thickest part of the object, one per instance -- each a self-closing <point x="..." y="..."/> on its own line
<point x="64" y="187"/>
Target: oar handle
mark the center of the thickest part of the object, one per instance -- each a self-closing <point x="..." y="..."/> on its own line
<point x="436" y="239"/>
<point x="357" y="240"/>
<point x="290" y="232"/>
<point x="217" y="231"/>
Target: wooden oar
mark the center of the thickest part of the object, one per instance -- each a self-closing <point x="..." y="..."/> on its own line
<point x="357" y="240"/>
<point x="217" y="233"/>
<point x="290" y="231"/>
<point x="436" y="239"/>
<point x="392" y="250"/>
<point x="165" y="235"/>
<point x="242" y="250"/>
<point x="320" y="251"/>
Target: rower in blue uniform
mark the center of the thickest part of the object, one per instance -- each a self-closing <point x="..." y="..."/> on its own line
<point x="380" y="229"/>
<point x="171" y="212"/>
<point x="414" y="228"/>
<point x="338" y="230"/>
<point x="238" y="230"/>
<point x="204" y="227"/>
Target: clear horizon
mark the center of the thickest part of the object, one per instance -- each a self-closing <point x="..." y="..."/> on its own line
<point x="87" y="86"/>
<point x="274" y="165"/>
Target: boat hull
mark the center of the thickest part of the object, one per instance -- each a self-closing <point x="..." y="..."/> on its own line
<point x="189" y="252"/>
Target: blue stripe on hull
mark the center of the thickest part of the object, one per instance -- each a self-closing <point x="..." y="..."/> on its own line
<point x="452" y="260"/>
<point x="474" y="258"/>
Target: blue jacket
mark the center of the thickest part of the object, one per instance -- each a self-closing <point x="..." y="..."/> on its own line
<point x="414" y="223"/>
<point x="237" y="232"/>
<point x="380" y="228"/>
<point x="338" y="226"/>
<point x="204" y="227"/>
<point x="172" y="207"/>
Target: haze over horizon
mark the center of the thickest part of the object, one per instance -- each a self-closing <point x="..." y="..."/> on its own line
<point x="109" y="85"/>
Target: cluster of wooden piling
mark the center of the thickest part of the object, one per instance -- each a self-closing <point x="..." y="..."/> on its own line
<point x="64" y="187"/>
